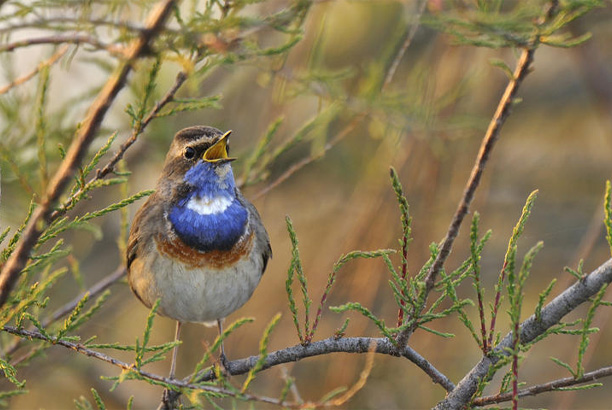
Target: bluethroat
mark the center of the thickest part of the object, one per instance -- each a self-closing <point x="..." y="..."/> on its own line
<point x="197" y="244"/>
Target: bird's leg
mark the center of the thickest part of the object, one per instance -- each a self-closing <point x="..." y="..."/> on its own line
<point x="222" y="358"/>
<point x="175" y="350"/>
<point x="167" y="402"/>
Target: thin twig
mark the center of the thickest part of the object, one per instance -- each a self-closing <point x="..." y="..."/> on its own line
<point x="93" y="291"/>
<point x="130" y="367"/>
<point x="488" y="142"/>
<point x="20" y="256"/>
<point x="47" y="63"/>
<point x="546" y="387"/>
<point x="409" y="37"/>
<point x="290" y="354"/>
<point x="530" y="329"/>
<point x="301" y="164"/>
<point x="64" y="39"/>
<point x="75" y="24"/>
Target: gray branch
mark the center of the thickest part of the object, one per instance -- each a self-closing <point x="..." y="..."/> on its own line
<point x="326" y="346"/>
<point x="531" y="328"/>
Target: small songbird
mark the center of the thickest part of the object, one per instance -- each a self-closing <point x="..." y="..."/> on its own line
<point x="197" y="244"/>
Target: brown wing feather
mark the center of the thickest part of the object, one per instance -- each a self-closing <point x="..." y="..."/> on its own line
<point x="261" y="235"/>
<point x="141" y="232"/>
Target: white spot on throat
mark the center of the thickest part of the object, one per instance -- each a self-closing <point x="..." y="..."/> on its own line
<point x="207" y="206"/>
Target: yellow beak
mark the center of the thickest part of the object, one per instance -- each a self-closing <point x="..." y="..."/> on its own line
<point x="218" y="151"/>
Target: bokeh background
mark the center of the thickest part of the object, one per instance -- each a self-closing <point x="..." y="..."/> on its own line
<point x="429" y="127"/>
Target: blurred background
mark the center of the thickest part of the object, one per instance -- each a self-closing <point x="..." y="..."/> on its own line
<point x="427" y="123"/>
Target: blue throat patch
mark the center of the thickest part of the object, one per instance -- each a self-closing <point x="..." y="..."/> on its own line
<point x="215" y="231"/>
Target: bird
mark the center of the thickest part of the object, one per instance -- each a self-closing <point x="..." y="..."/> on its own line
<point x="197" y="245"/>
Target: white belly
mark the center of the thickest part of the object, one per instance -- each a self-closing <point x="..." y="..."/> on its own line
<point x="198" y="294"/>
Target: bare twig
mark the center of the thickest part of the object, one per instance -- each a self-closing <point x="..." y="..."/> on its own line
<point x="64" y="39"/>
<point x="546" y="387"/>
<point x="95" y="290"/>
<point x="47" y="63"/>
<point x="531" y="328"/>
<point x="407" y="41"/>
<point x="53" y="23"/>
<point x="78" y="148"/>
<point x="301" y="164"/>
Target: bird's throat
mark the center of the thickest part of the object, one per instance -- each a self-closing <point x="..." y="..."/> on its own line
<point x="207" y="223"/>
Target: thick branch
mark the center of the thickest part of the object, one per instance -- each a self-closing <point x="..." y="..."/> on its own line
<point x="531" y="328"/>
<point x="326" y="346"/>
<point x="78" y="148"/>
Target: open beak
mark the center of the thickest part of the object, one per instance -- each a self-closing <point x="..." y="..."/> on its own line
<point x="217" y="153"/>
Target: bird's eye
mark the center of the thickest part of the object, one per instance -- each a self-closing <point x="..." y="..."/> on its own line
<point x="189" y="153"/>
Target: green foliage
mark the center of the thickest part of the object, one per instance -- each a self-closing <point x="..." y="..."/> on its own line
<point x="10" y="373"/>
<point x="141" y="348"/>
<point x="295" y="269"/>
<point x="28" y="297"/>
<point x="98" y="399"/>
<point x="401" y="282"/>
<point x="13" y="242"/>
<point x="578" y="273"/>
<point x="217" y="345"/>
<point x="475" y="254"/>
<point x="608" y="214"/>
<point x="263" y="145"/>
<point x="380" y="324"/>
<point x="587" y="330"/>
<point x="542" y="298"/>
<point x="77" y="318"/>
<point x="518" y="25"/>
<point x="508" y="268"/>
<point x="263" y="352"/>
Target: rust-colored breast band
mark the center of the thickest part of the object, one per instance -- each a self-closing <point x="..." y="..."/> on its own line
<point x="174" y="248"/>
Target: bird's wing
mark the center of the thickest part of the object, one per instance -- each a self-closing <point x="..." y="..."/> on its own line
<point x="144" y="226"/>
<point x="261" y="235"/>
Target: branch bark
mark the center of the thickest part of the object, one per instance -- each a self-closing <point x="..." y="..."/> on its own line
<point x="546" y="387"/>
<point x="20" y="256"/>
<point x="130" y="367"/>
<point x="531" y="328"/>
<point x="326" y="346"/>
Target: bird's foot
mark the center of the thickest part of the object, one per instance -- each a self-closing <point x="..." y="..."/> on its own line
<point x="224" y="365"/>
<point x="170" y="400"/>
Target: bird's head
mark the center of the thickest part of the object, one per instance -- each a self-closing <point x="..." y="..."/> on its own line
<point x="198" y="161"/>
